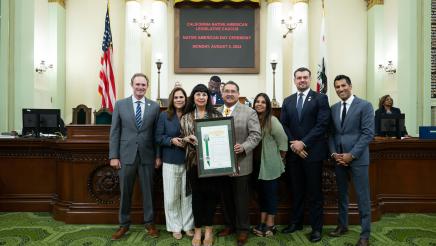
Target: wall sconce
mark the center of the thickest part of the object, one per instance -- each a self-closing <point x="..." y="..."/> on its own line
<point x="274" y="102"/>
<point x="144" y="24"/>
<point x="41" y="68"/>
<point x="290" y="25"/>
<point x="390" y="68"/>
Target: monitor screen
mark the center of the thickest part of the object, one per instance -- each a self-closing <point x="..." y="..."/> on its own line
<point x="37" y="121"/>
<point x="392" y="125"/>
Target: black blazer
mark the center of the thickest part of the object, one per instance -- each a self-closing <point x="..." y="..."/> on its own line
<point x="313" y="126"/>
<point x="382" y="111"/>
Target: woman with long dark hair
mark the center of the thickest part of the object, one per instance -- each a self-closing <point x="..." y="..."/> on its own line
<point x="178" y="206"/>
<point x="386" y="107"/>
<point x="205" y="191"/>
<point x="268" y="164"/>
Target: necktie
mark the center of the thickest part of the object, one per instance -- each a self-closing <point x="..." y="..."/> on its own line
<point x="344" y="113"/>
<point x="138" y="114"/>
<point x="300" y="104"/>
<point x="226" y="112"/>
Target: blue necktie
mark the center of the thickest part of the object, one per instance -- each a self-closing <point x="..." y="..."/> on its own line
<point x="300" y="105"/>
<point x="138" y="114"/>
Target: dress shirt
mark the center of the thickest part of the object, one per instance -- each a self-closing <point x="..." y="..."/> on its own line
<point x="348" y="104"/>
<point x="304" y="96"/>
<point x="142" y="100"/>
<point x="230" y="110"/>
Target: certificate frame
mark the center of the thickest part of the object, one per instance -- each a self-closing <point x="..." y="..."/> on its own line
<point x="219" y="160"/>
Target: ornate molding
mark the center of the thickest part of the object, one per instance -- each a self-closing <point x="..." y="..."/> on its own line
<point x="104" y="184"/>
<point x="61" y="2"/>
<point x="300" y="1"/>
<point x="273" y="1"/>
<point x="422" y="154"/>
<point x="374" y="2"/>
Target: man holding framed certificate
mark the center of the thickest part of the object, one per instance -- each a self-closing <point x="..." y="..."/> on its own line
<point x="236" y="194"/>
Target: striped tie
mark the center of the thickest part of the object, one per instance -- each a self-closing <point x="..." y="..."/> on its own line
<point x="138" y="114"/>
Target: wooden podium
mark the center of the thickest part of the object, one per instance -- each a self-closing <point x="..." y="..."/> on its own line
<point x="72" y="179"/>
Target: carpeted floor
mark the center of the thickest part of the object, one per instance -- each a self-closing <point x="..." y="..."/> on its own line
<point x="41" y="229"/>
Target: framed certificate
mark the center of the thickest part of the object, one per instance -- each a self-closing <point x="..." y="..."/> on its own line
<point x="215" y="155"/>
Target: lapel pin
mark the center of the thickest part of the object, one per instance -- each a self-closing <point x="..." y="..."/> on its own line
<point x="308" y="99"/>
<point x="148" y="104"/>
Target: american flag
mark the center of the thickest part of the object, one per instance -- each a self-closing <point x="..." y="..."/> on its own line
<point x="106" y="85"/>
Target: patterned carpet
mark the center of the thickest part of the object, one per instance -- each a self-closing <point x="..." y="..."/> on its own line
<point x="41" y="229"/>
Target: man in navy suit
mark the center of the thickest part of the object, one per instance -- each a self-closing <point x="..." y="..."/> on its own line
<point x="305" y="117"/>
<point x="214" y="86"/>
<point x="132" y="152"/>
<point x="352" y="131"/>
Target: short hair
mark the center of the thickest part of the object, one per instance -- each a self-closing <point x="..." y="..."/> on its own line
<point x="303" y="69"/>
<point x="341" y="76"/>
<point x="232" y="83"/>
<point x="215" y="78"/>
<point x="383" y="99"/>
<point x="138" y="75"/>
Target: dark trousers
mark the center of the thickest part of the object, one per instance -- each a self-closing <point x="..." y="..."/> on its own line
<point x="236" y="198"/>
<point x="267" y="192"/>
<point x="360" y="178"/>
<point x="204" y="202"/>
<point x="306" y="181"/>
<point x="127" y="175"/>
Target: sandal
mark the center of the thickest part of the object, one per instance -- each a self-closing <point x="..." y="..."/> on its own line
<point x="270" y="231"/>
<point x="259" y="230"/>
<point x="196" y="242"/>
<point x="177" y="235"/>
<point x="208" y="241"/>
<point x="189" y="233"/>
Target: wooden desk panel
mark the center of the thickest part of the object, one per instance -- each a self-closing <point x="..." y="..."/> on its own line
<point x="72" y="179"/>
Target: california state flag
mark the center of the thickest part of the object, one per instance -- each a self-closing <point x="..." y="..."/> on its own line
<point x="321" y="85"/>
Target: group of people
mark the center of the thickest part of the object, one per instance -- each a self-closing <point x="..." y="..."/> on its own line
<point x="307" y="133"/>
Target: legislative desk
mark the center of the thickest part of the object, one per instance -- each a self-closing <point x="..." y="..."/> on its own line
<point x="72" y="179"/>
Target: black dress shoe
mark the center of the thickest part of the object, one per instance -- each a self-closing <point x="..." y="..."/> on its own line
<point x="362" y="242"/>
<point x="291" y="228"/>
<point x="315" y="236"/>
<point x="339" y="231"/>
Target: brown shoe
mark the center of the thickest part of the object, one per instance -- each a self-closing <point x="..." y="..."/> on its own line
<point x="339" y="231"/>
<point x="362" y="242"/>
<point x="225" y="232"/>
<point x="242" y="238"/>
<point x="152" y="231"/>
<point x="120" y="232"/>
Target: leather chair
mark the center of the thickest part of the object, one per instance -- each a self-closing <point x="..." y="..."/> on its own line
<point x="82" y="115"/>
<point x="102" y="117"/>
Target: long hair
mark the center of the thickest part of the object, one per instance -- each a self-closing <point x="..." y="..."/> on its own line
<point x="171" y="110"/>
<point x="382" y="101"/>
<point x="190" y="106"/>
<point x="265" y="117"/>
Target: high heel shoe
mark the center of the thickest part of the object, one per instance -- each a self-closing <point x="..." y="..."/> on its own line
<point x="196" y="242"/>
<point x="208" y="241"/>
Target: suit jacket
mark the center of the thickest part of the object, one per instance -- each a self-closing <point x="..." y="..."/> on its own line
<point x="311" y="128"/>
<point x="219" y="99"/>
<point x="247" y="133"/>
<point x="126" y="139"/>
<point x="356" y="133"/>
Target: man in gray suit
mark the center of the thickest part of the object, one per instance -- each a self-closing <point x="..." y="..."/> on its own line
<point x="132" y="151"/>
<point x="352" y="131"/>
<point x="236" y="194"/>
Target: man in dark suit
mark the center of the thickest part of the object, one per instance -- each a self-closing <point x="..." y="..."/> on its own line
<point x="132" y="151"/>
<point x="305" y="117"/>
<point x="236" y="191"/>
<point x="352" y="131"/>
<point x="214" y="87"/>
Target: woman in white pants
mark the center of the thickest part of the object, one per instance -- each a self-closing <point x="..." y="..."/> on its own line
<point x="178" y="206"/>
